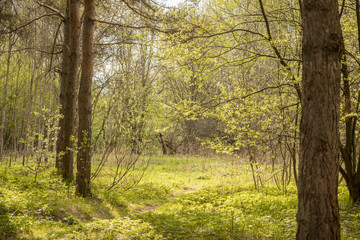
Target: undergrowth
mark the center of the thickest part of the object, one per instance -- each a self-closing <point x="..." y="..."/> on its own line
<point x="178" y="198"/>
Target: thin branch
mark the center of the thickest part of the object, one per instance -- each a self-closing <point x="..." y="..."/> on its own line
<point x="136" y="11"/>
<point x="289" y="106"/>
<point x="249" y="95"/>
<point x="357" y="10"/>
<point x="53" y="46"/>
<point x="342" y="8"/>
<point x="51" y="9"/>
<point x="353" y="57"/>
<point x="266" y="20"/>
<point x="276" y="50"/>
<point x="347" y="160"/>
<point x="31" y="48"/>
<point x="31" y="21"/>
<point x="223" y="33"/>
<point x="343" y="173"/>
<point x="131" y="27"/>
<point x="116" y="43"/>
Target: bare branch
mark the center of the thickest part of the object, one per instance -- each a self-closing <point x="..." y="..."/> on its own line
<point x="31" y="48"/>
<point x="137" y="12"/>
<point x="131" y="27"/>
<point x="276" y="50"/>
<point x="249" y="95"/>
<point x="223" y="33"/>
<point x="51" y="9"/>
<point x="31" y="21"/>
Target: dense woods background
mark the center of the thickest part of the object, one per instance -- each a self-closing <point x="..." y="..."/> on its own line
<point x="98" y="88"/>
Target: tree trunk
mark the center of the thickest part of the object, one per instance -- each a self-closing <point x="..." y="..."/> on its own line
<point x="357" y="10"/>
<point x="84" y="100"/>
<point x="161" y="141"/>
<point x="29" y="114"/>
<point x="318" y="211"/>
<point x="348" y="152"/>
<point x="63" y="81"/>
<point x="3" y="111"/>
<point x="68" y="91"/>
<point x="351" y="169"/>
<point x="72" y="78"/>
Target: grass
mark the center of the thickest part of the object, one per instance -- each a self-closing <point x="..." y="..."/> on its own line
<point x="178" y="198"/>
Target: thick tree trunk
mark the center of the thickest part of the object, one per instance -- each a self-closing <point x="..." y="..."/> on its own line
<point x="72" y="78"/>
<point x="68" y="91"/>
<point x="84" y="100"/>
<point x="354" y="191"/>
<point x="318" y="211"/>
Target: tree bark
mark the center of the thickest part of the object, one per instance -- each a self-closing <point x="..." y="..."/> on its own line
<point x="68" y="90"/>
<point x="348" y="153"/>
<point x="63" y="81"/>
<point x="3" y="110"/>
<point x="84" y="100"/>
<point x="72" y="78"/>
<point x="161" y="141"/>
<point x="29" y="107"/>
<point x="318" y="211"/>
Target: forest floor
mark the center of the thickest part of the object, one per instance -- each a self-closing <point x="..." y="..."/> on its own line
<point x="178" y="198"/>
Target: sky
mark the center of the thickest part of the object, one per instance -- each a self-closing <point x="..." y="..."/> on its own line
<point x="172" y="3"/>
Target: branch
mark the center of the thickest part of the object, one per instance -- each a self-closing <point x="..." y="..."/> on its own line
<point x="267" y="56"/>
<point x="357" y="10"/>
<point x="31" y="21"/>
<point x="347" y="160"/>
<point x="223" y="33"/>
<point x="117" y="43"/>
<point x="51" y="9"/>
<point x="353" y="57"/>
<point x="53" y="46"/>
<point x="249" y="95"/>
<point x="276" y="50"/>
<point x="131" y="27"/>
<point x="343" y="173"/>
<point x="31" y="48"/>
<point x="342" y="8"/>
<point x="137" y="12"/>
<point x="288" y="106"/>
<point x="266" y="20"/>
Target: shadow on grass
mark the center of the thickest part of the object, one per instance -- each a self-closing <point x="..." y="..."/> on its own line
<point x="224" y="213"/>
<point x="7" y="228"/>
<point x="195" y="225"/>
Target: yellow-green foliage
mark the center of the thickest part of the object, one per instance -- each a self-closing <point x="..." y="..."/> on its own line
<point x="178" y="198"/>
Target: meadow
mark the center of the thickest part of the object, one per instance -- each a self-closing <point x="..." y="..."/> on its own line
<point x="179" y="197"/>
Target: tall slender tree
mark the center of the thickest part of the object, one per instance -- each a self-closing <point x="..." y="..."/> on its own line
<point x="63" y="80"/>
<point x="84" y="100"/>
<point x="69" y="80"/>
<point x="3" y="110"/>
<point x="350" y="170"/>
<point x="318" y="211"/>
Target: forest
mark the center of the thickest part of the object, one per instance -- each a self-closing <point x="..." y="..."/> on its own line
<point x="193" y="119"/>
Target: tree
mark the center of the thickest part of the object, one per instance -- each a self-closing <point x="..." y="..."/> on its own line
<point x="84" y="100"/>
<point x="350" y="169"/>
<point x="318" y="211"/>
<point x="3" y="111"/>
<point x="68" y="85"/>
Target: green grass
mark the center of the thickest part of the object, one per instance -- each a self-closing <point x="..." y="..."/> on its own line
<point x="178" y="198"/>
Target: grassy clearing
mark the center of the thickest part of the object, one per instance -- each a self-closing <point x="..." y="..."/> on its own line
<point x="178" y="198"/>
